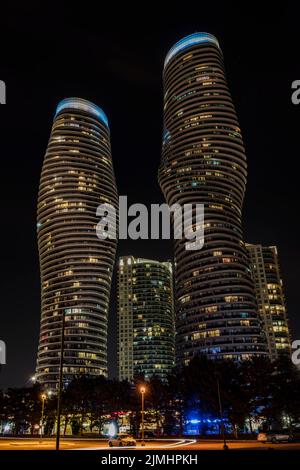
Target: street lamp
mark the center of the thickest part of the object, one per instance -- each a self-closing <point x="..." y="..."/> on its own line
<point x="143" y="391"/>
<point x="43" y="398"/>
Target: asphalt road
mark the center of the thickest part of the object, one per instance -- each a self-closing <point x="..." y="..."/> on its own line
<point x="176" y="444"/>
<point x="241" y="445"/>
<point x="92" y="444"/>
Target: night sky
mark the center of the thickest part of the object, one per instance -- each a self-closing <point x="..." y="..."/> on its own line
<point x="49" y="53"/>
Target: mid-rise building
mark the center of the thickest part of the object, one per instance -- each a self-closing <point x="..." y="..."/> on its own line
<point x="270" y="298"/>
<point x="145" y="318"/>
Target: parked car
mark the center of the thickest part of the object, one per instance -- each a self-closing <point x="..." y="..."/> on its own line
<point x="122" y="440"/>
<point x="275" y="436"/>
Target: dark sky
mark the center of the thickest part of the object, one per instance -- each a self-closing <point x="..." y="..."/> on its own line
<point x="115" y="59"/>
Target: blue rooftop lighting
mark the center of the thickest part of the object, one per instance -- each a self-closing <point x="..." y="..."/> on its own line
<point x="84" y="105"/>
<point x="188" y="41"/>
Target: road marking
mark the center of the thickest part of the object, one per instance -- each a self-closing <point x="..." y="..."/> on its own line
<point x="177" y="443"/>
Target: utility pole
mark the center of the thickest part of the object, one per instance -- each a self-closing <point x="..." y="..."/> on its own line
<point x="225" y="446"/>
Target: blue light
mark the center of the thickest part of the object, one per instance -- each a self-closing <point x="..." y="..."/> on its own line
<point x="166" y="136"/>
<point x="112" y="429"/>
<point x="84" y="105"/>
<point x="195" y="421"/>
<point x="188" y="41"/>
<point x="244" y="314"/>
<point x="215" y="350"/>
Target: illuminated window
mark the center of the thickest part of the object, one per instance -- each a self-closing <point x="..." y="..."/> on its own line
<point x="231" y="298"/>
<point x="213" y="333"/>
<point x="211" y="308"/>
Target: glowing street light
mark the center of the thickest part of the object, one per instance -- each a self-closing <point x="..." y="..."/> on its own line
<point x="43" y="397"/>
<point x="143" y="391"/>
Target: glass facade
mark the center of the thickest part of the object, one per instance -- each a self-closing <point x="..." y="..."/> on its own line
<point x="203" y="161"/>
<point x="145" y="318"/>
<point x="270" y="298"/>
<point x="76" y="267"/>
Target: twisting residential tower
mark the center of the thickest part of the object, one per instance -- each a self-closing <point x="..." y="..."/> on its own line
<point x="76" y="267"/>
<point x="203" y="161"/>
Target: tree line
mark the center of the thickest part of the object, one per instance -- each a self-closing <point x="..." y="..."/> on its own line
<point x="251" y="391"/>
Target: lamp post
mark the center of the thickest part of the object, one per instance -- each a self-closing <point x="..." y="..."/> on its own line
<point x="43" y="397"/>
<point x="60" y="382"/>
<point x="225" y="446"/>
<point x="143" y="390"/>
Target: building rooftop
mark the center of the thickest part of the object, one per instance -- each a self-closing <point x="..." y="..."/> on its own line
<point x="188" y="41"/>
<point x="84" y="105"/>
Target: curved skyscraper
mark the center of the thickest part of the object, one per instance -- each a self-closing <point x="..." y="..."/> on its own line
<point x="203" y="161"/>
<point x="76" y="267"/>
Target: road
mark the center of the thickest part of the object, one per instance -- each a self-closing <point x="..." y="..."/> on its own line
<point x="161" y="444"/>
<point x="241" y="445"/>
<point x="77" y="444"/>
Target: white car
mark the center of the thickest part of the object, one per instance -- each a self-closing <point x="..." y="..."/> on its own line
<point x="274" y="436"/>
<point x="122" y="440"/>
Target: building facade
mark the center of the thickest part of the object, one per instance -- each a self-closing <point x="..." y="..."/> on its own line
<point x="203" y="161"/>
<point x="145" y="318"/>
<point x="270" y="298"/>
<point x="76" y="267"/>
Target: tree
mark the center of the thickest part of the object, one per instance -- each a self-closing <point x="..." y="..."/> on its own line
<point x="22" y="406"/>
